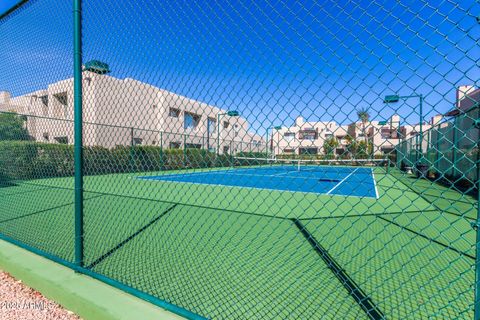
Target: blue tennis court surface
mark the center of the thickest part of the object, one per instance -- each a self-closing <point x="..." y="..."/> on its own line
<point x="346" y="181"/>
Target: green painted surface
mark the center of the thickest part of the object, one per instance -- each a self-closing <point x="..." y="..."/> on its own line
<point x="229" y="252"/>
<point x="406" y="275"/>
<point x="88" y="298"/>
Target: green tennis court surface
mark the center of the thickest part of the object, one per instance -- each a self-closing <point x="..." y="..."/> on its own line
<point x="233" y="252"/>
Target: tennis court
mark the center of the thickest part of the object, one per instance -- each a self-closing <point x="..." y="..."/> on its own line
<point x="249" y="159"/>
<point x="298" y="176"/>
<point x="221" y="248"/>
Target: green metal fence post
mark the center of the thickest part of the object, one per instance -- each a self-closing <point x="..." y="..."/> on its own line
<point x="477" y="240"/>
<point x="437" y="150"/>
<point x="184" y="150"/>
<point x="78" y="122"/>
<point x="421" y="126"/>
<point x="454" y="149"/>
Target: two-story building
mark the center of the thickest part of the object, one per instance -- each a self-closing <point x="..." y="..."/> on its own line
<point x="127" y="111"/>
<point x="306" y="137"/>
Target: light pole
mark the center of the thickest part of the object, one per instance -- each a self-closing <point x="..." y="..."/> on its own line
<point x="230" y="114"/>
<point x="395" y="98"/>
<point x="270" y="145"/>
<point x="208" y="134"/>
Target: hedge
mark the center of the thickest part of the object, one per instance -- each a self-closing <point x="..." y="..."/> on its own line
<point x="23" y="160"/>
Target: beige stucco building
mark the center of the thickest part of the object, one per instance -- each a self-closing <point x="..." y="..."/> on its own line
<point x="126" y="111"/>
<point x="306" y="137"/>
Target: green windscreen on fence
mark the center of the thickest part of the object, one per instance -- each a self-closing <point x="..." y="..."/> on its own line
<point x="248" y="159"/>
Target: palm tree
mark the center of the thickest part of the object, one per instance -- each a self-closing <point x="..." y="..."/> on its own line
<point x="364" y="116"/>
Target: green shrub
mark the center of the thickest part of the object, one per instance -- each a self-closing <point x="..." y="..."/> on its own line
<point x="21" y="160"/>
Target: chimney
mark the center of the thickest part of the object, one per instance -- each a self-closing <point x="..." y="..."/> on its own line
<point x="4" y="97"/>
<point x="462" y="91"/>
<point x="436" y="119"/>
<point x="299" y="121"/>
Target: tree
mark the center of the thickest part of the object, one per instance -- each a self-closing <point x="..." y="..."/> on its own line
<point x="364" y="150"/>
<point x="363" y="116"/>
<point x="329" y="146"/>
<point x="12" y="127"/>
<point x="351" y="146"/>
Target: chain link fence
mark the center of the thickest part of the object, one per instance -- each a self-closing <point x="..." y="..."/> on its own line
<point x="248" y="159"/>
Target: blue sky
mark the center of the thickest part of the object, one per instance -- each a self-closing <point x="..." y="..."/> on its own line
<point x="5" y="5"/>
<point x="271" y="60"/>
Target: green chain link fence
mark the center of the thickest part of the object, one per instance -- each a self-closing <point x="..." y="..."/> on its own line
<point x="249" y="159"/>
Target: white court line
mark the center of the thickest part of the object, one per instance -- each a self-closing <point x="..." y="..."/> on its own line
<point x="266" y="189"/>
<point x="287" y="172"/>
<point x="375" y="184"/>
<point x="229" y="172"/>
<point x="343" y="180"/>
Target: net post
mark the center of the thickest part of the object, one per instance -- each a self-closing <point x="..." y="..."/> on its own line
<point x="78" y="131"/>
<point x="132" y="156"/>
<point x="161" y="150"/>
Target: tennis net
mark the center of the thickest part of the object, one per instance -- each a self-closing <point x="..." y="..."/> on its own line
<point x="307" y="164"/>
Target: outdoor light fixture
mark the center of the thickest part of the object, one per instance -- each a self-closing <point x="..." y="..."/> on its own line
<point x="395" y="98"/>
<point x="270" y="148"/>
<point x="391" y="98"/>
<point x="231" y="113"/>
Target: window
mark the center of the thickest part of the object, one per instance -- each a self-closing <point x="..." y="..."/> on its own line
<point x="340" y="151"/>
<point x="309" y="136"/>
<point x="211" y="125"/>
<point x="288" y="150"/>
<point x="225" y="124"/>
<point x="386" y="133"/>
<point x="289" y="136"/>
<point x="62" y="98"/>
<point x="308" y="150"/>
<point x="137" y="141"/>
<point x="60" y="107"/>
<point x="191" y="120"/>
<point x="225" y="149"/>
<point x="46" y="136"/>
<point x="328" y="136"/>
<point x="62" y="140"/>
<point x="193" y="146"/>
<point x="44" y="100"/>
<point x="175" y="145"/>
<point x="387" y="150"/>
<point x="256" y="143"/>
<point x="174" y="113"/>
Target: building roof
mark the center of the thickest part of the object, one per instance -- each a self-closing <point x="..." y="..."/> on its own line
<point x="470" y="101"/>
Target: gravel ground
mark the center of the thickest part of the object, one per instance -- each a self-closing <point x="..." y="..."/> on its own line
<point x="17" y="301"/>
